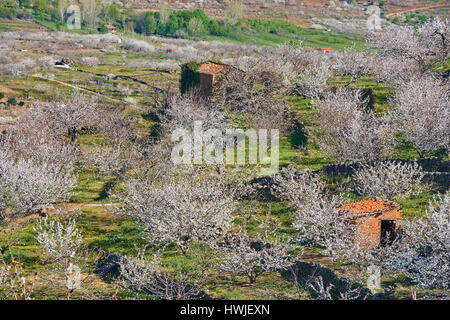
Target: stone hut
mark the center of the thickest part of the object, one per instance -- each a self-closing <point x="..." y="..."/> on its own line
<point x="111" y="28"/>
<point x="326" y="50"/>
<point x="211" y="76"/>
<point x="378" y="220"/>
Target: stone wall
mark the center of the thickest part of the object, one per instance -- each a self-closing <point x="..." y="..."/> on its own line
<point x="437" y="172"/>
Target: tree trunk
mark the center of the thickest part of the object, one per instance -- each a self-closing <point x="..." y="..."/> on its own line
<point x="413" y="293"/>
<point x="184" y="250"/>
<point x="73" y="134"/>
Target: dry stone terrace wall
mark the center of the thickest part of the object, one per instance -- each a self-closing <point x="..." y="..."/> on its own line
<point x="437" y="172"/>
<point x="428" y="164"/>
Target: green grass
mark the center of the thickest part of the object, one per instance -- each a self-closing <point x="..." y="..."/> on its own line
<point x="416" y="205"/>
<point x="310" y="156"/>
<point x="278" y="31"/>
<point x="272" y="32"/>
<point x="109" y="232"/>
<point x="91" y="188"/>
<point x="382" y="92"/>
<point x="17" y="25"/>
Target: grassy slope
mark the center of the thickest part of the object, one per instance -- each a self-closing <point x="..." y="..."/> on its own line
<point x="121" y="235"/>
<point x="275" y="32"/>
<point x="322" y="40"/>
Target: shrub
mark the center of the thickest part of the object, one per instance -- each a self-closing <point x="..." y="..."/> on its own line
<point x="103" y="30"/>
<point x="189" y="76"/>
<point x="181" y="34"/>
<point x="195" y="27"/>
<point x="138" y="46"/>
<point x="89" y="61"/>
<point x="47" y="62"/>
<point x="12" y="101"/>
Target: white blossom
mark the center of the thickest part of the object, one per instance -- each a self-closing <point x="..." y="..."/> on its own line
<point x="425" y="252"/>
<point x="387" y="180"/>
<point x="422" y="114"/>
<point x="240" y="253"/>
<point x="179" y="210"/>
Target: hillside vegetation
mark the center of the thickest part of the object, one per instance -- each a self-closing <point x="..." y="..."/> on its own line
<point x="92" y="205"/>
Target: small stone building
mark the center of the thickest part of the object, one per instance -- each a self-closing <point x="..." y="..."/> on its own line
<point x="378" y="220"/>
<point x="211" y="76"/>
<point x="326" y="50"/>
<point x="110" y="28"/>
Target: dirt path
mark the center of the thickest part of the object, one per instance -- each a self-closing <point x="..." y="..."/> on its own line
<point x="7" y="90"/>
<point x="38" y="75"/>
<point x="55" y="209"/>
<point x="431" y="6"/>
<point x="130" y="78"/>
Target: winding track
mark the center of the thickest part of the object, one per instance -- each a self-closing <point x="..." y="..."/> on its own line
<point x="431" y="6"/>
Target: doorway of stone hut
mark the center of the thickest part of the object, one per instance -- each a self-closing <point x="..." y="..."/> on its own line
<point x="387" y="230"/>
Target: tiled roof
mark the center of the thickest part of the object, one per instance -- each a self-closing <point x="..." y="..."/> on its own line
<point x="212" y="67"/>
<point x="369" y="207"/>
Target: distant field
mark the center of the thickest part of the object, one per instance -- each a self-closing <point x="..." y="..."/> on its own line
<point x="267" y="32"/>
<point x="18" y="25"/>
<point x="274" y="32"/>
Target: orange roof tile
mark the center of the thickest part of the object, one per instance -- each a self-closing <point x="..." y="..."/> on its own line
<point x="369" y="207"/>
<point x="212" y="67"/>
